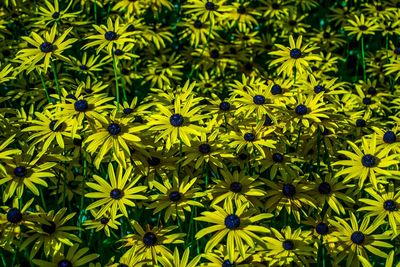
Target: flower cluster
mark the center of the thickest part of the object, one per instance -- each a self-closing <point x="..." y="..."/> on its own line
<point x="199" y="133"/>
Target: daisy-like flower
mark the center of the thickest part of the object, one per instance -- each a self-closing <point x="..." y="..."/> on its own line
<point x="50" y="232"/>
<point x="197" y="31"/>
<point x="295" y="57"/>
<point x="206" y="10"/>
<point x="393" y="67"/>
<point x="25" y="170"/>
<point x="235" y="223"/>
<point x="361" y="26"/>
<point x="117" y="194"/>
<point x="277" y="163"/>
<point x="327" y="190"/>
<point x="107" y="36"/>
<point x="86" y="65"/>
<point x="356" y="239"/>
<point x="237" y="187"/>
<point x="151" y="244"/>
<point x="46" y="49"/>
<point x="176" y="198"/>
<point x="290" y="246"/>
<point x="290" y="194"/>
<point x="387" y="140"/>
<point x="384" y="206"/>
<point x="53" y="14"/>
<point x="178" y="123"/>
<point x="114" y="135"/>
<point x="242" y="15"/>
<point x="47" y="128"/>
<point x="73" y="258"/>
<point x="219" y="257"/>
<point x="366" y="163"/>
<point x="104" y="223"/>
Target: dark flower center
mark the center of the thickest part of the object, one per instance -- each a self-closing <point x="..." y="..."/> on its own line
<point x="14" y="215"/>
<point x="127" y="111"/>
<point x="276" y="89"/>
<point x="83" y="67"/>
<point x="227" y="263"/>
<point x="357" y="237"/>
<point x="379" y="8"/>
<point x="277" y="157"/>
<point x="198" y="24"/>
<point x="204" y="148"/>
<point x="368" y="161"/>
<point x="259" y="99"/>
<point x="165" y="65"/>
<point x="241" y="10"/>
<point x="210" y="6"/>
<point x="81" y="105"/>
<point x="249" y="137"/>
<point x="56" y="15"/>
<point x="52" y="125"/>
<point x="326" y="35"/>
<point x="324" y="188"/>
<point x="49" y="228"/>
<point x="175" y="196"/>
<point x="301" y="110"/>
<point x="295" y="53"/>
<point x="388" y="205"/>
<point x="116" y="194"/>
<point x="288" y="190"/>
<point x="176" y="120"/>
<point x="397" y="50"/>
<point x="104" y="220"/>
<point x="236" y="187"/>
<point x="242" y="156"/>
<point x="367" y="101"/>
<point x="111" y="36"/>
<point x="360" y="123"/>
<point x="224" y="106"/>
<point x="153" y="161"/>
<point x="46" y="47"/>
<point x="389" y="137"/>
<point x="232" y="221"/>
<point x="64" y="263"/>
<point x="118" y="52"/>
<point x="125" y="71"/>
<point x="149" y="239"/>
<point x="288" y="244"/>
<point x="319" y="89"/>
<point x="363" y="27"/>
<point x="322" y="228"/>
<point x="114" y="129"/>
<point x="292" y="23"/>
<point x="214" y="53"/>
<point x="20" y="171"/>
<point x="268" y="121"/>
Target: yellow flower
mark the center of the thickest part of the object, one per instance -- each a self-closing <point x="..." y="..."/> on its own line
<point x="46" y="49"/>
<point x="361" y="26"/>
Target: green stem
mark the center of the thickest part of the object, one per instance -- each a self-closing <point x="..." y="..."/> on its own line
<point x="56" y="81"/>
<point x="125" y="98"/>
<point x="95" y="11"/>
<point x="42" y="198"/>
<point x="116" y="81"/>
<point x="363" y="58"/>
<point x="45" y="88"/>
<point x="3" y="260"/>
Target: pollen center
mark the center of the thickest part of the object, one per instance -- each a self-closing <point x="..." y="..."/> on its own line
<point x="149" y="239"/>
<point x="357" y="237"/>
<point x="176" y="120"/>
<point x="368" y="161"/>
<point x="232" y="221"/>
<point x="295" y="53"/>
<point x="14" y="215"/>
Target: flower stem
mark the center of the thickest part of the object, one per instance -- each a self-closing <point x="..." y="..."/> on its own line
<point x="363" y="58"/>
<point x="125" y="98"/>
<point x="56" y="81"/>
<point x="95" y="11"/>
<point x="42" y="198"/>
<point x="45" y="88"/>
<point x="116" y="81"/>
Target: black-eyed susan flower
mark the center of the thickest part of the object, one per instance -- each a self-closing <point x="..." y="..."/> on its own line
<point x="206" y="10"/>
<point x="289" y="246"/>
<point x="46" y="48"/>
<point x="105" y="222"/>
<point x="196" y="31"/>
<point x="367" y="163"/>
<point x="150" y="244"/>
<point x="296" y="57"/>
<point x="291" y="194"/>
<point x="361" y="26"/>
<point x="50" y="232"/>
<point x="237" y="187"/>
<point x="107" y="36"/>
<point x="356" y="239"/>
<point x="385" y="205"/>
<point x="116" y="194"/>
<point x="175" y="198"/>
<point x="74" y="257"/>
<point x="237" y="224"/>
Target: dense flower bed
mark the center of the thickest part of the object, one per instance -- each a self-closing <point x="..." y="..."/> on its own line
<point x="199" y="133"/>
